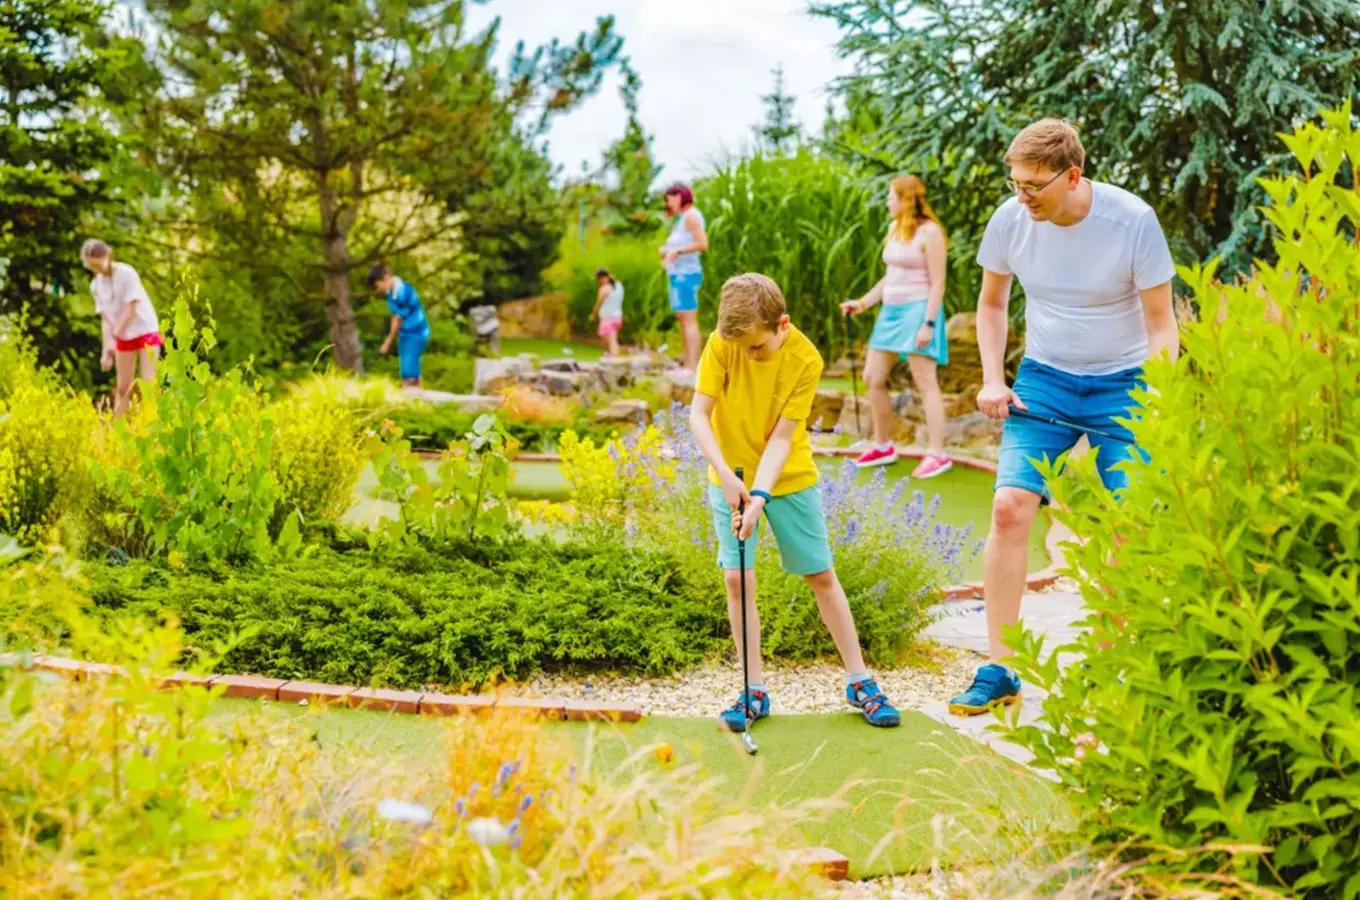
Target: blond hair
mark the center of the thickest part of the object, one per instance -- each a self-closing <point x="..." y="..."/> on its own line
<point x="749" y="303"/>
<point x="1051" y="143"/>
<point x="911" y="190"/>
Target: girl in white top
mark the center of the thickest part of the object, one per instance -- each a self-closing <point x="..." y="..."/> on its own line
<point x="609" y="308"/>
<point x="132" y="336"/>
<point x="911" y="326"/>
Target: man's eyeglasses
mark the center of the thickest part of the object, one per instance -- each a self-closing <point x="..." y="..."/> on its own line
<point x="1031" y="192"/>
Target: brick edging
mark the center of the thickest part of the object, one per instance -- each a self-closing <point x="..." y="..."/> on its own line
<point x="258" y="687"/>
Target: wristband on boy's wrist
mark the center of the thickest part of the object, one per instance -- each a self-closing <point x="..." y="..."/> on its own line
<point x="763" y="495"/>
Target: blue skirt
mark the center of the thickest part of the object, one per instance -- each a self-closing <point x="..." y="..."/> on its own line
<point x="895" y="332"/>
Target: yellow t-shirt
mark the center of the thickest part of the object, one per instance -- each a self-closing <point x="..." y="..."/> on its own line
<point x="753" y="396"/>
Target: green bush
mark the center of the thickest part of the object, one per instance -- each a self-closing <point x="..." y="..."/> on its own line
<point x="45" y="435"/>
<point x="435" y="426"/>
<point x="1226" y="709"/>
<point x="454" y="615"/>
<point x="195" y="477"/>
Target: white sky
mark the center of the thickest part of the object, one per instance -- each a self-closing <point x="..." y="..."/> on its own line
<point x="703" y="64"/>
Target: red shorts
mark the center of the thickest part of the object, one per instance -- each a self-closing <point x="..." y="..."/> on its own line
<point x="609" y="327"/>
<point x="139" y="343"/>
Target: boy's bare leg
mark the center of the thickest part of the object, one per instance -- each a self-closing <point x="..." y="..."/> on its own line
<point x="733" y="579"/>
<point x="840" y="621"/>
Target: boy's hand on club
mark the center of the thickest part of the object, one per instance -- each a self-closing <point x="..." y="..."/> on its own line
<point x="852" y="308"/>
<point x="745" y="523"/>
<point x="734" y="492"/>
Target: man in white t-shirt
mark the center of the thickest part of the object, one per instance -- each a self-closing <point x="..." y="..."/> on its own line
<point x="132" y="336"/>
<point x="1096" y="272"/>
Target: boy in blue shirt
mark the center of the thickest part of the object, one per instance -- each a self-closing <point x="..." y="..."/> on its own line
<point x="410" y="329"/>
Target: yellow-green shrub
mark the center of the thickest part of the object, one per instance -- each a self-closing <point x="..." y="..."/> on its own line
<point x="44" y="438"/>
<point x="611" y="480"/>
<point x="318" y="452"/>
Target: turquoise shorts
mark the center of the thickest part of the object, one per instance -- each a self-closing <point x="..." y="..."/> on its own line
<point x="896" y="327"/>
<point x="799" y="527"/>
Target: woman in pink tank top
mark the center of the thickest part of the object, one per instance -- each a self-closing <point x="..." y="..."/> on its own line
<point x="911" y="325"/>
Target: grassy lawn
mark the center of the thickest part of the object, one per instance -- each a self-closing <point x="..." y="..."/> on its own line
<point x="546" y="350"/>
<point x="907" y="795"/>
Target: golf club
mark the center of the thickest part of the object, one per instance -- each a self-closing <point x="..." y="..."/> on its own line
<point x="854" y="378"/>
<point x="747" y="741"/>
<point x="1048" y="420"/>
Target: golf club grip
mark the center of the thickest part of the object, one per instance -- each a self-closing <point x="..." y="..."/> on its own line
<point x="741" y="501"/>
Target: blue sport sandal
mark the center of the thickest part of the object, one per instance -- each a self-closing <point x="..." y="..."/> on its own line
<point x="992" y="686"/>
<point x="867" y="697"/>
<point x="734" y="717"/>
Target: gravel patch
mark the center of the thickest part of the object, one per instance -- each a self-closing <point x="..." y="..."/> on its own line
<point x="813" y="688"/>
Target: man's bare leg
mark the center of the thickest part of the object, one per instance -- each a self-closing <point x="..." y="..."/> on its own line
<point x="1006" y="562"/>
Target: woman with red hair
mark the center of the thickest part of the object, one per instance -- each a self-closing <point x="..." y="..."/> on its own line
<point x="911" y="326"/>
<point x="680" y="257"/>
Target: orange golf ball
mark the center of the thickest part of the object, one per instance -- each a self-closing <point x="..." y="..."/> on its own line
<point x="664" y="754"/>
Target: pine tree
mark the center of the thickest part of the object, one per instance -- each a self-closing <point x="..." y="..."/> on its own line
<point x="779" y="133"/>
<point x="55" y="156"/>
<point x="306" y="118"/>
<point x="630" y="169"/>
<point x="1179" y="101"/>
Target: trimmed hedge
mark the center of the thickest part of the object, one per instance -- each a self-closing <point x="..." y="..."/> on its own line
<point x="406" y="616"/>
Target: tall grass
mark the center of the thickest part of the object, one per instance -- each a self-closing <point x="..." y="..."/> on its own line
<point x="812" y="223"/>
<point x="807" y="221"/>
<point x="634" y="261"/>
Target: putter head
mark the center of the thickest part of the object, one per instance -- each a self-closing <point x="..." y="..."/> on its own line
<point x="749" y="743"/>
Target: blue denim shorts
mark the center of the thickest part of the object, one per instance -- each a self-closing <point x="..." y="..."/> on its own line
<point x="684" y="291"/>
<point x="410" y="347"/>
<point x="799" y="527"/>
<point x="1089" y="401"/>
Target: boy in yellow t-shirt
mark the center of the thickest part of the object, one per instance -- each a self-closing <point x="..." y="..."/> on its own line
<point x="757" y="379"/>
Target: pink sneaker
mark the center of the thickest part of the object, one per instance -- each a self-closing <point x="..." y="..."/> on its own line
<point x="932" y="465"/>
<point x="877" y="456"/>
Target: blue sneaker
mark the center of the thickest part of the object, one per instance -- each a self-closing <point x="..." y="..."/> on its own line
<point x="992" y="686"/>
<point x="734" y="717"/>
<point x="867" y="697"/>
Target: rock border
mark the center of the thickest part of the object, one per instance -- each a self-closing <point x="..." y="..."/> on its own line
<point x="969" y="590"/>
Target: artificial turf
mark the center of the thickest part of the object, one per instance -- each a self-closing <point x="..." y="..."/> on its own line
<point x="908" y="797"/>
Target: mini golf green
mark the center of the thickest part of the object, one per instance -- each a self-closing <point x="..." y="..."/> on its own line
<point x="909" y="795"/>
<point x="546" y="350"/>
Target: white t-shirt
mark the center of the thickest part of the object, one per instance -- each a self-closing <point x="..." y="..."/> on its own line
<point x="112" y="294"/>
<point x="612" y="307"/>
<point x="1083" y="314"/>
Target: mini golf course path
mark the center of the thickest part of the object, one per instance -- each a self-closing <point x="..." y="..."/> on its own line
<point x="963" y="624"/>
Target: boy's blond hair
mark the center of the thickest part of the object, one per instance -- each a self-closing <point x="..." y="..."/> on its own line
<point x="1051" y="143"/>
<point x="748" y="303"/>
